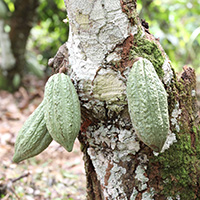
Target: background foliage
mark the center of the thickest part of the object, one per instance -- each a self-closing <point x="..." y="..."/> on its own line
<point x="176" y="23"/>
<point x="51" y="32"/>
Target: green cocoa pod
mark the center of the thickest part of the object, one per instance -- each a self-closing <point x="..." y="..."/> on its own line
<point x="33" y="138"/>
<point x="147" y="103"/>
<point x="62" y="110"/>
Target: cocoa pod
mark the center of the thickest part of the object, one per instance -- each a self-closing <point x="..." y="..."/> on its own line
<point x="147" y="103"/>
<point x="62" y="110"/>
<point x="33" y="138"/>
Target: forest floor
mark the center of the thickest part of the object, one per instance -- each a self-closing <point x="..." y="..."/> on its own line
<point x="55" y="174"/>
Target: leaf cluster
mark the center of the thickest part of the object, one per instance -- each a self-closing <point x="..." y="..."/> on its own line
<point x="50" y="32"/>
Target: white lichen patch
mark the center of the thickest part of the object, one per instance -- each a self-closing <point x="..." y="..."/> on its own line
<point x="177" y="198"/>
<point x="171" y="138"/>
<point x="110" y="146"/>
<point x="141" y="178"/>
<point x="120" y="142"/>
<point x="84" y="6"/>
<point x="175" y="115"/>
<point x="148" y="195"/>
<point x="98" y="160"/>
<point x="126" y="145"/>
<point x="134" y="194"/>
<point x="113" y="187"/>
<point x="81" y="64"/>
<point x="143" y="32"/>
<point x="168" y="73"/>
<point x="113" y="57"/>
<point x="193" y="93"/>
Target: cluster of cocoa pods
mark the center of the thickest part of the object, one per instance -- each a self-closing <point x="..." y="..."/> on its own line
<point x="58" y="118"/>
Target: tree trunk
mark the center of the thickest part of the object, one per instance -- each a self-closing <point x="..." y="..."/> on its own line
<point x="106" y="37"/>
<point x="21" y="22"/>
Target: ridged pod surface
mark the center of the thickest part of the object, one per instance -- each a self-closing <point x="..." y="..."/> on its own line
<point x="147" y="103"/>
<point x="62" y="110"/>
<point x="33" y="137"/>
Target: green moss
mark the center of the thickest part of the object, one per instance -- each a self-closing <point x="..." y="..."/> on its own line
<point x="149" y="50"/>
<point x="179" y="168"/>
<point x="197" y="142"/>
<point x="185" y="169"/>
<point x="194" y="128"/>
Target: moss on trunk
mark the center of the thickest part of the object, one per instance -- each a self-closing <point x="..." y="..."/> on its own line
<point x="179" y="166"/>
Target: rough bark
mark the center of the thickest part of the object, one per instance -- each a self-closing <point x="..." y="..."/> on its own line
<point x="106" y="37"/>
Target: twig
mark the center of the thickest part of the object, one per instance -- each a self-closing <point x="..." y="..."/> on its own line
<point x="10" y="188"/>
<point x="20" y="177"/>
<point x="9" y="185"/>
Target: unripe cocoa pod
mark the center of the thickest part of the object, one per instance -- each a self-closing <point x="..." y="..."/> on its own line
<point x="62" y="110"/>
<point x="147" y="103"/>
<point x="33" y="137"/>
